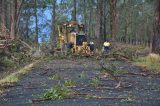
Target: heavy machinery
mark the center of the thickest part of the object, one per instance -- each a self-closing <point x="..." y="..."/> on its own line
<point x="73" y="37"/>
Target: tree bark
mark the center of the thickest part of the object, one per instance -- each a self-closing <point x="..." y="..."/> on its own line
<point x="113" y="18"/>
<point x="36" y="22"/>
<point x="90" y="21"/>
<point x="13" y="20"/>
<point x="20" y="6"/>
<point x="156" y="36"/>
<point x="2" y="16"/>
<point x="53" y="37"/>
<point x="104" y="20"/>
<point x="101" y="21"/>
<point x="85" y="15"/>
<point x="74" y="11"/>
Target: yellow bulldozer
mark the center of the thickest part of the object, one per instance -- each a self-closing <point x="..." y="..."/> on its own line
<point x="73" y="37"/>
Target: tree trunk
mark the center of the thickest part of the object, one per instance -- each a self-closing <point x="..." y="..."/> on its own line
<point x="74" y="11"/>
<point x="27" y="28"/>
<point x="97" y="25"/>
<point x="105" y="20"/>
<point x="7" y="16"/>
<point x="84" y="12"/>
<point x="36" y="22"/>
<point x="19" y="10"/>
<point x="53" y="37"/>
<point x="13" y="18"/>
<point x="2" y="16"/>
<point x="101" y="21"/>
<point x="156" y="36"/>
<point x="113" y="18"/>
<point x="90" y="21"/>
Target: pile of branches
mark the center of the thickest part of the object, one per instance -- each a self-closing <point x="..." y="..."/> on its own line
<point x="123" y="51"/>
<point x="18" y="53"/>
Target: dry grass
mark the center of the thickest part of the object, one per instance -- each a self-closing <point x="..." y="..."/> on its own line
<point x="1" y="91"/>
<point x="15" y="77"/>
<point x="153" y="58"/>
<point x="151" y="62"/>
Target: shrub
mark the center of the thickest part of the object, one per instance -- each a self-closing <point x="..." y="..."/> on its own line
<point x="8" y="63"/>
<point x="151" y="62"/>
<point x="57" y="92"/>
<point x="153" y="58"/>
<point x="95" y="82"/>
<point x="69" y="83"/>
<point x="56" y="77"/>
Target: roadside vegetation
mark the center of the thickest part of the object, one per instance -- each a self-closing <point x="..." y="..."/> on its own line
<point x="15" y="76"/>
<point x="94" y="82"/>
<point x="58" y="92"/>
<point x="150" y="62"/>
<point x="55" y="77"/>
<point x="69" y="83"/>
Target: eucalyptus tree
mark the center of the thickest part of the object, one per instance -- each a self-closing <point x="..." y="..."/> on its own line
<point x="2" y="15"/>
<point x="156" y="36"/>
<point x="113" y="18"/>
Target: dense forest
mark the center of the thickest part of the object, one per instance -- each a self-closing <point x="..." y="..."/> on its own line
<point x="128" y="21"/>
<point x="83" y="52"/>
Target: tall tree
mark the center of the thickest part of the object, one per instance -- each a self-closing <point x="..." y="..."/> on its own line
<point x="53" y="37"/>
<point x="2" y="15"/>
<point x="113" y="18"/>
<point x="101" y="20"/>
<point x="74" y="17"/>
<point x="13" y="22"/>
<point x="156" y="36"/>
<point x="36" y="22"/>
<point x="19" y="9"/>
<point x="104" y="20"/>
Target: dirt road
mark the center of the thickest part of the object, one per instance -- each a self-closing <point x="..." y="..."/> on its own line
<point x="138" y="90"/>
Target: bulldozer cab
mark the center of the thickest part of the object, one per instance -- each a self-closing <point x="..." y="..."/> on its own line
<point x="73" y="35"/>
<point x="80" y="39"/>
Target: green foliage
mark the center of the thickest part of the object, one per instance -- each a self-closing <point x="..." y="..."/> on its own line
<point x="95" y="82"/>
<point x="15" y="47"/>
<point x="57" y="92"/>
<point x="69" y="83"/>
<point x="60" y="56"/>
<point x="127" y="100"/>
<point x="120" y="72"/>
<point x="56" y="77"/>
<point x="130" y="98"/>
<point x="16" y="76"/>
<point x="8" y="63"/>
<point x="48" y="58"/>
<point x="82" y="75"/>
<point x="130" y="51"/>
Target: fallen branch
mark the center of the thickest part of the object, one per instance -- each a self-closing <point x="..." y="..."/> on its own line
<point x="97" y="97"/>
<point x="39" y="100"/>
<point x="141" y="74"/>
<point x="109" y="88"/>
<point x="80" y="94"/>
<point x="103" y="97"/>
<point x="30" y="87"/>
<point x="87" y="95"/>
<point x="25" y="44"/>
